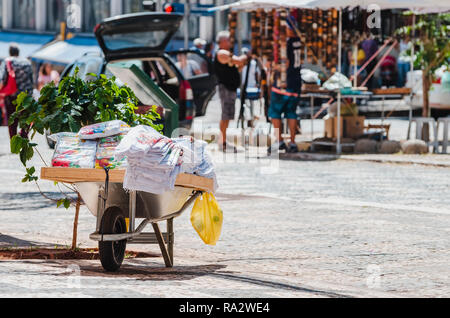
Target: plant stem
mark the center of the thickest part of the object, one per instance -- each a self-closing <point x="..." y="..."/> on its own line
<point x="75" y="223"/>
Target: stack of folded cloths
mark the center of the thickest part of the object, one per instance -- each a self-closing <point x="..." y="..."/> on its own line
<point x="155" y="161"/>
<point x="196" y="159"/>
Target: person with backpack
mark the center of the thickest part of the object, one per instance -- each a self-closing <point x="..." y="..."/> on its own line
<point x="16" y="76"/>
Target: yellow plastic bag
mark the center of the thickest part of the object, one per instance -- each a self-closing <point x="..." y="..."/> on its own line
<point x="207" y="219"/>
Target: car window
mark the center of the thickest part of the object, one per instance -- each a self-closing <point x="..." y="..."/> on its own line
<point x="190" y="64"/>
<point x="162" y="73"/>
<point x="86" y="65"/>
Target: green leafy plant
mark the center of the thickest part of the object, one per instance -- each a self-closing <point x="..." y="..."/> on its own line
<point x="72" y="104"/>
<point x="430" y="37"/>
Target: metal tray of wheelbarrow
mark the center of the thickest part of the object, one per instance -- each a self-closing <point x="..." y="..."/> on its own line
<point x="103" y="193"/>
<point x="153" y="207"/>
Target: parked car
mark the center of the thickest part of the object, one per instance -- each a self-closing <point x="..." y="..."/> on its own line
<point x="140" y="39"/>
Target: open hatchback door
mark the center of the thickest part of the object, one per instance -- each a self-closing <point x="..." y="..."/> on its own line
<point x="136" y="35"/>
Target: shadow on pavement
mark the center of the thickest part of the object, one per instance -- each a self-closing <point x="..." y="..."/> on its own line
<point x="145" y="271"/>
<point x="26" y="200"/>
<point x="12" y="242"/>
<point x="303" y="156"/>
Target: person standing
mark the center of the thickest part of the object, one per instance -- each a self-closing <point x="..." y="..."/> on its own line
<point x="404" y="61"/>
<point x="23" y="72"/>
<point x="285" y="101"/>
<point x="370" y="47"/>
<point x="199" y="46"/>
<point x="227" y="67"/>
<point x="198" y="55"/>
<point x="47" y="75"/>
<point x="251" y="75"/>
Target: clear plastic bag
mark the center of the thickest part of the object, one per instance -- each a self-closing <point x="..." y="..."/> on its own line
<point x="207" y="219"/>
<point x="102" y="130"/>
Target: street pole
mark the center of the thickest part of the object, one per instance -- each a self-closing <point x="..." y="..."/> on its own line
<point x="338" y="145"/>
<point x="187" y="15"/>
<point x="413" y="84"/>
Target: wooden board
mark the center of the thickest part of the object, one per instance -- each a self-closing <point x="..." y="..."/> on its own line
<point x="75" y="175"/>
<point x="392" y="91"/>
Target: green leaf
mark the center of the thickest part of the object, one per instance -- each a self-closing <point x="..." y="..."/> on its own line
<point x="67" y="203"/>
<point x="16" y="144"/>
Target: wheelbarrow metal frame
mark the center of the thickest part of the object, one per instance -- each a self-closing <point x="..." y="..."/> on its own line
<point x="165" y="241"/>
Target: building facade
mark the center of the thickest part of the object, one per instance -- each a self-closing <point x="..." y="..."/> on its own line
<point x="45" y="16"/>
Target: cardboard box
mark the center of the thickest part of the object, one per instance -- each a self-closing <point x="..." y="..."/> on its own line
<point x="351" y="127"/>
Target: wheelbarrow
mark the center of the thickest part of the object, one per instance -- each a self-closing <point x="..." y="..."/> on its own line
<point x="117" y="210"/>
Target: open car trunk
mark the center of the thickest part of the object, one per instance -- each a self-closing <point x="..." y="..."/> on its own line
<point x="136" y="35"/>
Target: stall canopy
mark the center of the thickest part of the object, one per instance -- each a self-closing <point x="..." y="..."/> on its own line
<point x="261" y="4"/>
<point x="66" y="52"/>
<point x="28" y="43"/>
<point x="423" y="6"/>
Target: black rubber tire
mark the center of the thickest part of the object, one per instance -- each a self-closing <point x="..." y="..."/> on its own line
<point x="112" y="254"/>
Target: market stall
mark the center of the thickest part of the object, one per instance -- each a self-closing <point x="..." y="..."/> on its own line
<point x="321" y="31"/>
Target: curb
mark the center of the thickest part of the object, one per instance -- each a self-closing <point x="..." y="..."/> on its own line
<point x="402" y="162"/>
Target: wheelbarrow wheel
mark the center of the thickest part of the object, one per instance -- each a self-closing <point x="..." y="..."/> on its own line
<point x="112" y="254"/>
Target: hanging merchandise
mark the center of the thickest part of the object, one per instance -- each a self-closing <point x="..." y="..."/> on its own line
<point x="268" y="53"/>
<point x="275" y="80"/>
<point x="207" y="219"/>
<point x="255" y="32"/>
<point x="283" y="49"/>
<point x="232" y="22"/>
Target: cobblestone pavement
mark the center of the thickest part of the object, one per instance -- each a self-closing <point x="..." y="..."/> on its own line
<point x="313" y="229"/>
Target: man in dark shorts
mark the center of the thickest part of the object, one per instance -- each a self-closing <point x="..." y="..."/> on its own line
<point x="227" y="67"/>
<point x="285" y="101"/>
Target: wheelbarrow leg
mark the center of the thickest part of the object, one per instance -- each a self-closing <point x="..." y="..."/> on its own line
<point x="171" y="238"/>
<point x="162" y="245"/>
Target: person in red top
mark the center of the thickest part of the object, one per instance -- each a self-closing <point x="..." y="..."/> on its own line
<point x="24" y="78"/>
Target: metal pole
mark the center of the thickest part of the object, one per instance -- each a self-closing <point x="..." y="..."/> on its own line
<point x="187" y="14"/>
<point x="355" y="69"/>
<point x="411" y="95"/>
<point x="338" y="145"/>
<point x="413" y="53"/>
<point x="132" y="212"/>
<point x="312" y="118"/>
<point x="239" y="34"/>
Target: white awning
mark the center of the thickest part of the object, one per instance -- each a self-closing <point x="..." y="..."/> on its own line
<point x="66" y="52"/>
<point x="28" y="42"/>
<point x="423" y="6"/>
